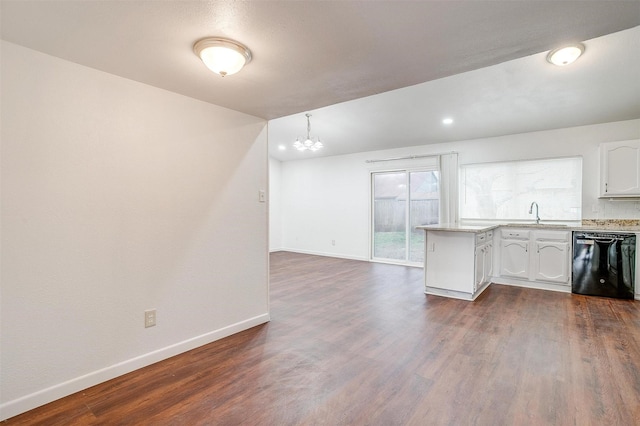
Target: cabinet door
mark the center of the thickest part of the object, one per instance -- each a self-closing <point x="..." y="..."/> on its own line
<point x="479" y="268"/>
<point x="488" y="261"/>
<point x="552" y="262"/>
<point x="620" y="169"/>
<point x="514" y="258"/>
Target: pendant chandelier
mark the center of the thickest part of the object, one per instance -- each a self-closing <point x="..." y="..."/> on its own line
<point x="308" y="144"/>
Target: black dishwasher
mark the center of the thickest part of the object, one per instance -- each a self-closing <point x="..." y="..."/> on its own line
<point x="604" y="264"/>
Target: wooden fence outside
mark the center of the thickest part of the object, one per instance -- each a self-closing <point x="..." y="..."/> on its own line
<point x="389" y="214"/>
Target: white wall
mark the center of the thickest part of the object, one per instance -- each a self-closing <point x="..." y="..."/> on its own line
<point x="275" y="203"/>
<point x="328" y="198"/>
<point x="119" y="197"/>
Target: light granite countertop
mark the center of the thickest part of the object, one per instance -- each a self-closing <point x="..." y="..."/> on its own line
<point x="456" y="227"/>
<point x="629" y="225"/>
<point x="613" y="225"/>
<point x="610" y="228"/>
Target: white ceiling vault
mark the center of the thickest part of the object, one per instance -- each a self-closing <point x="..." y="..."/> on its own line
<point x="481" y="62"/>
<point x="519" y="96"/>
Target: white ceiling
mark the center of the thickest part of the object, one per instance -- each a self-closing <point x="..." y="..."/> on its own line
<point x="518" y="96"/>
<point x="311" y="54"/>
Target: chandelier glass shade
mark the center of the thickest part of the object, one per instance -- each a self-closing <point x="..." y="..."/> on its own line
<point x="308" y="144"/>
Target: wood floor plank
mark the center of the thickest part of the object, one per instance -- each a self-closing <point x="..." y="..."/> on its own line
<point x="359" y="343"/>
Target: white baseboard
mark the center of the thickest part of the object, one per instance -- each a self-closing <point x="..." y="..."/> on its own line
<point x="563" y="288"/>
<point x="325" y="254"/>
<point x="435" y="291"/>
<point x="44" y="396"/>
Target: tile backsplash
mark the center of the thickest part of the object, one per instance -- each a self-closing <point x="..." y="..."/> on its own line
<point x="616" y="209"/>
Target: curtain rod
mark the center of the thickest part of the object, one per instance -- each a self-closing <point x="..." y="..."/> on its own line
<point x="410" y="157"/>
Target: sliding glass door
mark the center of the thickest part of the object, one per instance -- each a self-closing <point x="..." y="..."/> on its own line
<point x="390" y="216"/>
<point x="402" y="200"/>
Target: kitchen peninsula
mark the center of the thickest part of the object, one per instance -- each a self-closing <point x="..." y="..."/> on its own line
<point x="458" y="259"/>
<point x="462" y="260"/>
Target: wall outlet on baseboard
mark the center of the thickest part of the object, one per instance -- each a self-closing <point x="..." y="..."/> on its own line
<point x="150" y="318"/>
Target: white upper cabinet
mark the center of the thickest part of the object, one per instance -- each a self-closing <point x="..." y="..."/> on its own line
<point x="620" y="169"/>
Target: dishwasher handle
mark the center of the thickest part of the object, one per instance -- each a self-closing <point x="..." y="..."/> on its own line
<point x="601" y="239"/>
<point x="606" y="241"/>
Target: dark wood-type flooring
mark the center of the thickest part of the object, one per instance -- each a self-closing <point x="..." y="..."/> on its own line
<point x="359" y="343"/>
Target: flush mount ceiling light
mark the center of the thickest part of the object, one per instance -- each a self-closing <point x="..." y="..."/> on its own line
<point x="308" y="144"/>
<point x="565" y="55"/>
<point x="221" y="55"/>
<point x="447" y="121"/>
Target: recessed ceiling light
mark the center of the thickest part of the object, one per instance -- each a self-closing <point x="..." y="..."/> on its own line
<point x="565" y="55"/>
<point x="221" y="55"/>
<point x="447" y="121"/>
<point x="282" y="147"/>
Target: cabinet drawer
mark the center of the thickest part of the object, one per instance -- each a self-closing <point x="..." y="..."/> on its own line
<point x="544" y="235"/>
<point x="517" y="234"/>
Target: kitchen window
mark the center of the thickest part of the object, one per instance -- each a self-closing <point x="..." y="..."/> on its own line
<point x="504" y="191"/>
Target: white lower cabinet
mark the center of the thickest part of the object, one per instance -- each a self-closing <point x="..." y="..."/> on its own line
<point x="479" y="268"/>
<point x="458" y="264"/>
<point x="484" y="260"/>
<point x="514" y="258"/>
<point x="536" y="258"/>
<point x="551" y="262"/>
<point x="488" y="257"/>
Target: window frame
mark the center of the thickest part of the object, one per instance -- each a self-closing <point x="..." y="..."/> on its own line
<point x="463" y="192"/>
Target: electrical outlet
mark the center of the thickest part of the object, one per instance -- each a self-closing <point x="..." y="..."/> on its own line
<point x="333" y="242"/>
<point x="262" y="196"/>
<point x="150" y="318"/>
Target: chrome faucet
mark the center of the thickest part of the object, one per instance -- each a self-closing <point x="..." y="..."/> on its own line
<point x="531" y="211"/>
